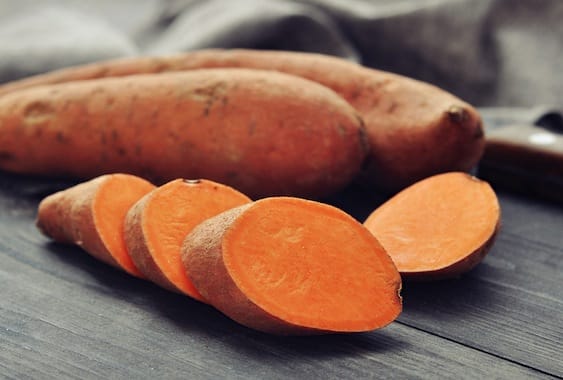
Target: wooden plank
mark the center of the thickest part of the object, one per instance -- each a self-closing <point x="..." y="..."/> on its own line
<point x="66" y="315"/>
<point x="512" y="304"/>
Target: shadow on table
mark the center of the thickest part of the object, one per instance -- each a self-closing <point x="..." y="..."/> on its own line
<point x="199" y="319"/>
<point x="446" y="300"/>
<point x="202" y="321"/>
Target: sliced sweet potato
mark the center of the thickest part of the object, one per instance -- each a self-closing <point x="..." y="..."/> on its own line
<point x="292" y="266"/>
<point x="155" y="227"/>
<point x="439" y="227"/>
<point x="92" y="214"/>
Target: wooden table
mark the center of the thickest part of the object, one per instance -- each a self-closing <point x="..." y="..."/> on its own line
<point x="65" y="315"/>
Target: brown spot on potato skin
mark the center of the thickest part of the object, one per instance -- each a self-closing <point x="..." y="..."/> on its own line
<point x="61" y="137"/>
<point x="457" y="114"/>
<point x="392" y="107"/>
<point x="101" y="72"/>
<point x="37" y="112"/>
<point x="251" y="127"/>
<point x="210" y="95"/>
<point x="7" y="156"/>
<point x="159" y="65"/>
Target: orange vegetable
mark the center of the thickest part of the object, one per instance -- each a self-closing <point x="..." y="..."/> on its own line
<point x="439" y="227"/>
<point x="91" y="215"/>
<point x="261" y="132"/>
<point x="157" y="225"/>
<point x="292" y="266"/>
<point x="415" y="129"/>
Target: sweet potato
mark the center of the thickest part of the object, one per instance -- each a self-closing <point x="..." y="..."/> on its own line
<point x="156" y="226"/>
<point x="91" y="215"/>
<point x="263" y="133"/>
<point x="291" y="266"/>
<point x="439" y="227"/>
<point x="415" y="129"/>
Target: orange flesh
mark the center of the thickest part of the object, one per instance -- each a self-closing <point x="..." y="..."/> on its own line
<point x="173" y="211"/>
<point x="437" y="222"/>
<point x="312" y="266"/>
<point x="113" y="199"/>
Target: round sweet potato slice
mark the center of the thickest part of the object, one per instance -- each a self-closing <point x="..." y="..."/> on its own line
<point x="292" y="266"/>
<point x="439" y="227"/>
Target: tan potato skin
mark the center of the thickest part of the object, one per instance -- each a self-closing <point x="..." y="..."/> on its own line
<point x="415" y="129"/>
<point x="201" y="253"/>
<point x="137" y="222"/>
<point x="138" y="248"/>
<point x="260" y="132"/>
<point x="456" y="269"/>
<point x="66" y="217"/>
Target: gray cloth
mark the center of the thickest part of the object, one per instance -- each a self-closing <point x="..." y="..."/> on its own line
<point x="493" y="53"/>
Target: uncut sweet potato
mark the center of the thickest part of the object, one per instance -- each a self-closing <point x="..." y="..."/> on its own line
<point x="415" y="129"/>
<point x="261" y="132"/>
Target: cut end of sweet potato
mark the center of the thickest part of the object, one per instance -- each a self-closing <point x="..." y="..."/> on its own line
<point x="91" y="215"/>
<point x="157" y="225"/>
<point x="112" y="201"/>
<point x="291" y="266"/>
<point x="439" y="227"/>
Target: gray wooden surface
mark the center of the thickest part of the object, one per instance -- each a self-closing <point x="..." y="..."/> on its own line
<point x="64" y="315"/>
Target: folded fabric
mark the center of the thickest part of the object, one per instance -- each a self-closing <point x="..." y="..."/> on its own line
<point x="489" y="52"/>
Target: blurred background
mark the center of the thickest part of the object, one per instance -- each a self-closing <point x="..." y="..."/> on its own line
<point x="491" y="53"/>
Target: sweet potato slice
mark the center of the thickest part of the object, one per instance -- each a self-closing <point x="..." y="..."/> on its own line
<point x="91" y="215"/>
<point x="439" y="227"/>
<point x="291" y="266"/>
<point x="157" y="224"/>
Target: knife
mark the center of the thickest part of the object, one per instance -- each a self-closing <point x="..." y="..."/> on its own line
<point x="526" y="158"/>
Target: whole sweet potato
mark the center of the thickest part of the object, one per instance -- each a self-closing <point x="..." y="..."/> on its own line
<point x="261" y="132"/>
<point x="415" y="129"/>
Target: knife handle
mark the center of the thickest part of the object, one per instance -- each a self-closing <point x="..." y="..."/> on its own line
<point x="525" y="159"/>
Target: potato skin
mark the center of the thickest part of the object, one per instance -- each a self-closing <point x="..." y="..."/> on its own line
<point x="202" y="254"/>
<point x="440" y="227"/>
<point x="66" y="216"/>
<point x="261" y="132"/>
<point x="138" y="248"/>
<point x="211" y="253"/>
<point x="456" y="269"/>
<point x="415" y="129"/>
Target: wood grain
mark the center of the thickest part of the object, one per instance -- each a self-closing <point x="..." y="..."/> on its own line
<point x="515" y="295"/>
<point x="64" y="315"/>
